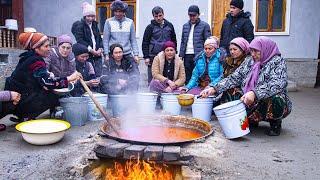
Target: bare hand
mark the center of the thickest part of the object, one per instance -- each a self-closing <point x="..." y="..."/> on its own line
<point x="122" y="82"/>
<point x="207" y="92"/>
<point x="172" y="84"/>
<point x="74" y="77"/>
<point x="147" y="61"/>
<point x="94" y="82"/>
<point x="106" y="59"/>
<point x="51" y="75"/>
<point x="248" y="98"/>
<point x="15" y="97"/>
<point x="168" y="89"/>
<point x="136" y="59"/>
<point x="183" y="89"/>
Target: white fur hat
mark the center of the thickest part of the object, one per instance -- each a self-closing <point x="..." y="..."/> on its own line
<point x="88" y="9"/>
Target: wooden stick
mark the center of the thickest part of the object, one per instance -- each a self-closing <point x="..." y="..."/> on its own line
<point x="98" y="106"/>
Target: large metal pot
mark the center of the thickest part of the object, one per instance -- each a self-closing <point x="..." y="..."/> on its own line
<point x="142" y="130"/>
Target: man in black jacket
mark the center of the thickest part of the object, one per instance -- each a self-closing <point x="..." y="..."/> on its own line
<point x="237" y="24"/>
<point x="155" y="35"/>
<point x="86" y="32"/>
<point x="194" y="34"/>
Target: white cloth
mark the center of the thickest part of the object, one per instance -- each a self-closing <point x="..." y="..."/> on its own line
<point x="190" y="49"/>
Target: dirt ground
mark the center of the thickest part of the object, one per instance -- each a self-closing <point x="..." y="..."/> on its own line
<point x="295" y="154"/>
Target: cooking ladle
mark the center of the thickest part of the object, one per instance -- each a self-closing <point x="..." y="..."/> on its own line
<point x="107" y="118"/>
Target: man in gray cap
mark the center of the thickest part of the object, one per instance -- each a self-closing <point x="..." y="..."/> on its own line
<point x="194" y="33"/>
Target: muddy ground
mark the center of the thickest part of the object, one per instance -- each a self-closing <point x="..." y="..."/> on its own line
<point x="295" y="154"/>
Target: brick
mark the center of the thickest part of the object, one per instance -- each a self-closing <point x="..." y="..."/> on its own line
<point x="153" y="153"/>
<point x="106" y="142"/>
<point x="171" y="153"/>
<point x="134" y="152"/>
<point x="116" y="150"/>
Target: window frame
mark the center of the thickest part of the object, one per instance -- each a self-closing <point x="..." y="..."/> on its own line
<point x="285" y="19"/>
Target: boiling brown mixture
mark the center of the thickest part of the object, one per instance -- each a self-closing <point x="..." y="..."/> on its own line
<point x="158" y="134"/>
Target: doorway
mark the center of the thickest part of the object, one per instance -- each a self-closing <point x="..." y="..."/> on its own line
<point x="219" y="10"/>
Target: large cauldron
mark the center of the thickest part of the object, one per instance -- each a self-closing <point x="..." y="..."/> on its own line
<point x="158" y="130"/>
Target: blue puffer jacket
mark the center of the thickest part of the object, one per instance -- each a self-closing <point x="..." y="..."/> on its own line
<point x="215" y="69"/>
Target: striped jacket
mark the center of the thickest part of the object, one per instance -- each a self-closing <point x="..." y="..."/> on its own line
<point x="122" y="32"/>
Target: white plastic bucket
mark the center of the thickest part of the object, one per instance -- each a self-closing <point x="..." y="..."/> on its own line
<point x="119" y="104"/>
<point x="11" y="24"/>
<point x="93" y="112"/>
<point x="202" y="108"/>
<point x="233" y="120"/>
<point x="170" y="103"/>
<point x="146" y="102"/>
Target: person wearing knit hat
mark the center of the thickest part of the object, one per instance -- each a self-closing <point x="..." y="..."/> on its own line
<point x="61" y="62"/>
<point x="86" y="69"/>
<point x="120" y="29"/>
<point x="86" y="32"/>
<point x="32" y="80"/>
<point x="194" y="34"/>
<point x="208" y="69"/>
<point x="236" y="24"/>
<point x="237" y="3"/>
<point x="239" y="50"/>
<point x="260" y="83"/>
<point x="167" y="70"/>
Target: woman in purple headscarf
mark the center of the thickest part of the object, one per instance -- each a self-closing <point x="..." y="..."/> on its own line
<point x="263" y="81"/>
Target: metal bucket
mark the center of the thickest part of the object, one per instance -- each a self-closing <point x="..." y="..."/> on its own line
<point x="93" y="112"/>
<point x="146" y="102"/>
<point x="75" y="110"/>
<point x="170" y="103"/>
<point x="119" y="104"/>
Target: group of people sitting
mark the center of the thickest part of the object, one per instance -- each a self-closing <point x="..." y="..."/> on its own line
<point x="255" y="73"/>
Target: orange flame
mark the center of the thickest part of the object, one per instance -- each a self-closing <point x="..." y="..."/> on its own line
<point x="138" y="170"/>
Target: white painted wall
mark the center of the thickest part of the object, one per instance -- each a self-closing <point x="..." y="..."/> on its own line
<point x="56" y="17"/>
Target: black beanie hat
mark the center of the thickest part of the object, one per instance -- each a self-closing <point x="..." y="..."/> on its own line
<point x="78" y="49"/>
<point x="237" y="3"/>
<point x="193" y="9"/>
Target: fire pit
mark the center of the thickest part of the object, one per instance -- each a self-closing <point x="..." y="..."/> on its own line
<point x="158" y="130"/>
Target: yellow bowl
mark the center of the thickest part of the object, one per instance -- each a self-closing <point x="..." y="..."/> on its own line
<point x="185" y="99"/>
<point x="43" y="131"/>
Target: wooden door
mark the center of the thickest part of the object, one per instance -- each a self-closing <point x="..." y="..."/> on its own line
<point x="219" y="10"/>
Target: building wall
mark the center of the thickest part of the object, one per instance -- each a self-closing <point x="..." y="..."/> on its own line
<point x="52" y="17"/>
<point x="56" y="17"/>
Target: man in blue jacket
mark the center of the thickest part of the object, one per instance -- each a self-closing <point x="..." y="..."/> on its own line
<point x="194" y="34"/>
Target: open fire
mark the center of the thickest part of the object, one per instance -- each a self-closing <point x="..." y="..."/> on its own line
<point x="135" y="170"/>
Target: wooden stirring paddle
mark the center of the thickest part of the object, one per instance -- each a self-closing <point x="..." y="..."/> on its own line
<point x="107" y="118"/>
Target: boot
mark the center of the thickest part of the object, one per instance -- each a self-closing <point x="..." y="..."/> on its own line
<point x="17" y="120"/>
<point x="275" y="128"/>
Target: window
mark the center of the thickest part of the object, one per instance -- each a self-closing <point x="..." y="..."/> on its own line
<point x="104" y="12"/>
<point x="271" y="16"/>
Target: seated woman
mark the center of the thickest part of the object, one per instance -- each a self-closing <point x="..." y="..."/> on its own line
<point x="32" y="80"/>
<point x="263" y="81"/>
<point x="121" y="75"/>
<point x="85" y="68"/>
<point x="208" y="70"/>
<point x="239" y="50"/>
<point x="8" y="96"/>
<point x="167" y="70"/>
<point x="61" y="60"/>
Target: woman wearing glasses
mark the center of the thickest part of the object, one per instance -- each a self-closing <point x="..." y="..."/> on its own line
<point x="61" y="61"/>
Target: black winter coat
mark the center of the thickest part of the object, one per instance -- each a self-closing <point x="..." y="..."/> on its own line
<point x="200" y="34"/>
<point x="239" y="26"/>
<point x="155" y="36"/>
<point x="81" y="31"/>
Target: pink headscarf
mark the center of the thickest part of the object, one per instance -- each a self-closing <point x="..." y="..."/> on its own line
<point x="242" y="43"/>
<point x="268" y="49"/>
